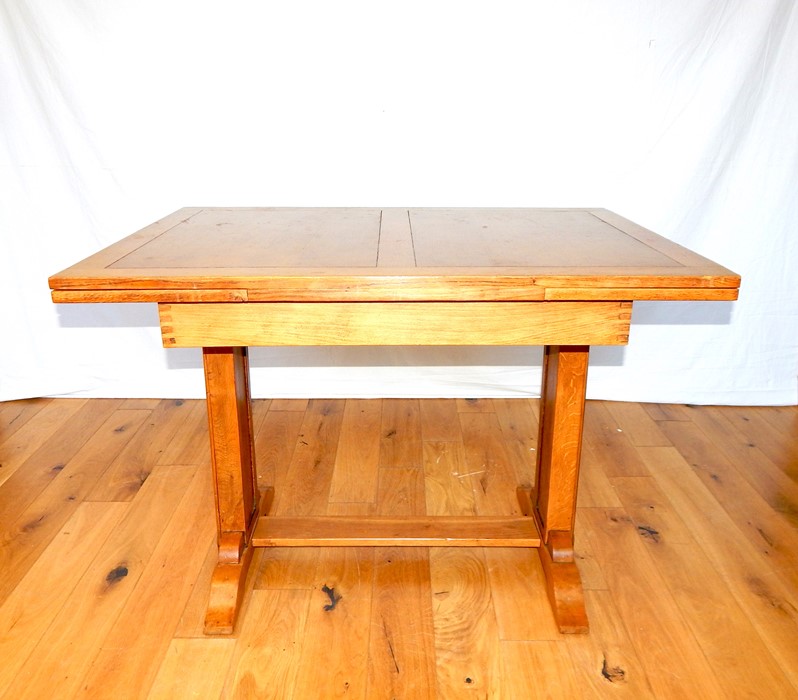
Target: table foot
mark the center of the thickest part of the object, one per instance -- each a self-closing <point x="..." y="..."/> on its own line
<point x="227" y="589"/>
<point x="230" y="575"/>
<point x="563" y="583"/>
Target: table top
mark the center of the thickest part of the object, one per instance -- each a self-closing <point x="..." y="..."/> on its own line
<point x="371" y="254"/>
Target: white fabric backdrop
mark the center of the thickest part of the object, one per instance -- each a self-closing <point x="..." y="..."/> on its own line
<point x="681" y="116"/>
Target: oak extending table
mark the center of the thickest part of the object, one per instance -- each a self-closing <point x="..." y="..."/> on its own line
<point x="226" y="279"/>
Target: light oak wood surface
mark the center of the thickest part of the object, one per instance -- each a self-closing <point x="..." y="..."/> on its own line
<point x="227" y="279"/>
<point x="395" y="323"/>
<point x="263" y="254"/>
<point x="688" y="565"/>
<point x="383" y="531"/>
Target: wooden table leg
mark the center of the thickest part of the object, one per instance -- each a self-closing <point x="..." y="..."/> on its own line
<point x="234" y="480"/>
<point x="562" y="408"/>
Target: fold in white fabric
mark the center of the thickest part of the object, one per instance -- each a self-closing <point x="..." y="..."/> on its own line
<point x="680" y="116"/>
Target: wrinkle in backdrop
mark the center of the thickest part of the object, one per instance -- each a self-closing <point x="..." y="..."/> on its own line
<point x="679" y="116"/>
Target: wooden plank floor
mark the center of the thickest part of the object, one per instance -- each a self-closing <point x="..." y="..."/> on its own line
<point x="687" y="543"/>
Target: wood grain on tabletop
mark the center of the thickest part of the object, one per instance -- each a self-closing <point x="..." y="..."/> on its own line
<point x="318" y="254"/>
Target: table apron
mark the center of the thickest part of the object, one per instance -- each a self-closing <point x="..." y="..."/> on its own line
<point x="395" y="323"/>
